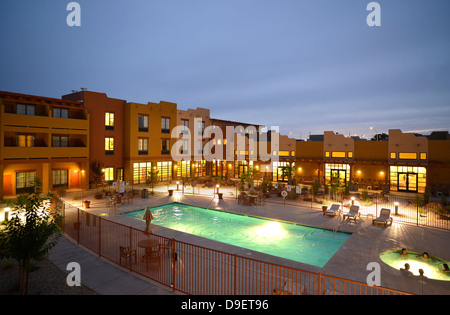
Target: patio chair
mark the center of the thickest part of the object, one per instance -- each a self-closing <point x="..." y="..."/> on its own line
<point x="384" y="218"/>
<point x="352" y="214"/>
<point x="110" y="202"/>
<point x="126" y="253"/>
<point x="334" y="210"/>
<point x="167" y="245"/>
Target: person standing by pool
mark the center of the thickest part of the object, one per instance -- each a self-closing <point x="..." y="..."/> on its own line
<point x="148" y="217"/>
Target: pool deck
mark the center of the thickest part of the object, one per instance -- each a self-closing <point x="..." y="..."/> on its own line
<point x="350" y="262"/>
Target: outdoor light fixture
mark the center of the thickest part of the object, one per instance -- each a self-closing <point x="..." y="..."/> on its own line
<point x="7" y="213"/>
<point x="396" y="207"/>
<point x="217" y="186"/>
<point x="353" y="201"/>
<point x="381" y="173"/>
<point x="177" y="184"/>
<point x="359" y="172"/>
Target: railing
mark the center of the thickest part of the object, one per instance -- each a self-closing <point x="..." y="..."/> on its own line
<point x="198" y="270"/>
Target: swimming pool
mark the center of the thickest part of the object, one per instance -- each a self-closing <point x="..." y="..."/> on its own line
<point x="292" y="241"/>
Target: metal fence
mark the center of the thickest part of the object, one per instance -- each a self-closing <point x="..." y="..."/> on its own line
<point x="198" y="270"/>
<point x="415" y="209"/>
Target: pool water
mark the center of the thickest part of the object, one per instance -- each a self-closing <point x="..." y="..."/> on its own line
<point x="292" y="241"/>
<point x="432" y="268"/>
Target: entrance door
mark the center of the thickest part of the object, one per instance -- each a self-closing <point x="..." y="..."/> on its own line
<point x="407" y="182"/>
<point x="340" y="175"/>
<point x="7" y="185"/>
<point x="242" y="170"/>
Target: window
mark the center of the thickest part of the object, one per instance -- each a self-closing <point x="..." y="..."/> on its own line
<point x="25" y="182"/>
<point x="109" y="146"/>
<point x="60" y="178"/>
<point x="185" y="146"/>
<point x="350" y="154"/>
<point x="109" y="121"/>
<point x="60" y="141"/>
<point x="142" y="146"/>
<point x="407" y="156"/>
<point x="60" y="112"/>
<point x="283" y="153"/>
<point x="393" y="155"/>
<point x="143" y="123"/>
<point x="201" y="128"/>
<point x="165" y="125"/>
<point x="423" y="156"/>
<point x="185" y="123"/>
<point x="25" y="140"/>
<point x="23" y="109"/>
<point x="335" y="154"/>
<point x="109" y="174"/>
<point x="165" y="146"/>
<point x="327" y="154"/>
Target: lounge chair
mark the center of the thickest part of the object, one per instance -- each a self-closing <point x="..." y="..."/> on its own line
<point x="384" y="218"/>
<point x="334" y="210"/>
<point x="353" y="213"/>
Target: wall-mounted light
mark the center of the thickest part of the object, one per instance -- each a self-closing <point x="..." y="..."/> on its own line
<point x="381" y="173"/>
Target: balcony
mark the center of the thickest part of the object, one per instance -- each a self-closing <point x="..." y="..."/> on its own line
<point x="30" y="121"/>
<point x="43" y="152"/>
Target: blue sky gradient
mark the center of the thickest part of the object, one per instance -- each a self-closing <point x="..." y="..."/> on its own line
<point x="304" y="65"/>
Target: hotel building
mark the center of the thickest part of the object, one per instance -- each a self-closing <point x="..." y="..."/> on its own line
<point x="42" y="137"/>
<point x="57" y="139"/>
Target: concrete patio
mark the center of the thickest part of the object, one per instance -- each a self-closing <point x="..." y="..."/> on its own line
<point x="350" y="262"/>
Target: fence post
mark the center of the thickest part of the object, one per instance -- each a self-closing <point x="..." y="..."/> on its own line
<point x="99" y="236"/>
<point x="235" y="274"/>
<point x="320" y="280"/>
<point x="131" y="250"/>
<point x="78" y="226"/>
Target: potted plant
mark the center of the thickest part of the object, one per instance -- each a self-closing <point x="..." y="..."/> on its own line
<point x="86" y="204"/>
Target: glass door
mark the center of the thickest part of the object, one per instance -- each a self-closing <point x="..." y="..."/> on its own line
<point x="407" y="182"/>
<point x="339" y="175"/>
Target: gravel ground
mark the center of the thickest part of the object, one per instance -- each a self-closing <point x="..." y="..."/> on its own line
<point x="45" y="279"/>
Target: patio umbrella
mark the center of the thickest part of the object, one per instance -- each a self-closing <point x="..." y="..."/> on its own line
<point x="148" y="217"/>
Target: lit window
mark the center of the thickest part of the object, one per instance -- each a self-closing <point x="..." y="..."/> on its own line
<point x="407" y="156"/>
<point x="393" y="155"/>
<point x="109" y="146"/>
<point x="60" y="178"/>
<point x="109" y="174"/>
<point x="423" y="156"/>
<point x="350" y="154"/>
<point x="327" y="154"/>
<point x="109" y="121"/>
<point x="25" y="140"/>
<point x="338" y="154"/>
<point x="142" y="146"/>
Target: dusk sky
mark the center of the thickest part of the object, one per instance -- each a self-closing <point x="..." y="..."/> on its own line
<point x="306" y="66"/>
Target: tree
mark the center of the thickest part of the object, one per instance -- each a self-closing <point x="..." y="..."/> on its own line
<point x="288" y="171"/>
<point x="30" y="234"/>
<point x="152" y="178"/>
<point x="97" y="171"/>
